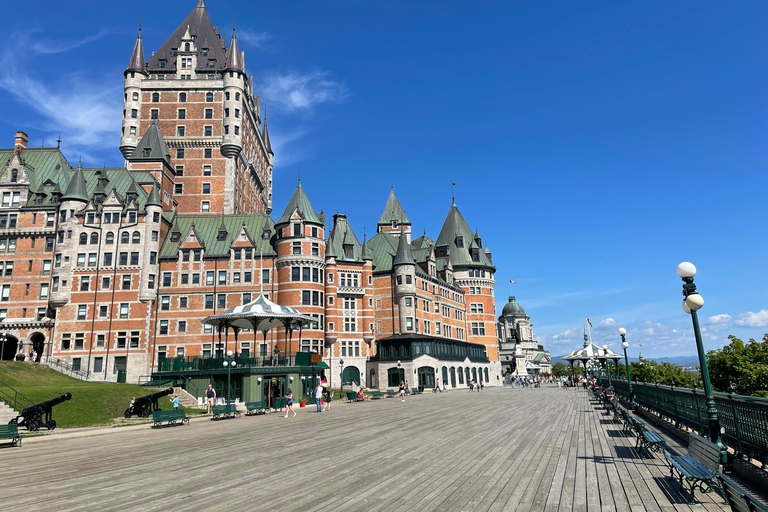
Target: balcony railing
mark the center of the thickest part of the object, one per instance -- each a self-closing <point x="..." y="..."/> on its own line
<point x="744" y="419"/>
<point x="182" y="364"/>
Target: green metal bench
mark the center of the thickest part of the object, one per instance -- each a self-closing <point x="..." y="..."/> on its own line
<point x="351" y="396"/>
<point x="225" y="411"/>
<point x="375" y="395"/>
<point x="170" y="418"/>
<point x="698" y="468"/>
<point x="647" y="439"/>
<point x="415" y="391"/>
<point x="625" y="418"/>
<point x="253" y="408"/>
<point x="278" y="403"/>
<point x="738" y="499"/>
<point x="10" y="432"/>
<point x="390" y="393"/>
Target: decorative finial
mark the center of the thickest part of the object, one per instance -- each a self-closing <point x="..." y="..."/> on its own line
<point x="58" y="142"/>
<point x="453" y="197"/>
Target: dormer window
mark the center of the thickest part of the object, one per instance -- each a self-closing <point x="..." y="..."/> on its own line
<point x="175" y="237"/>
<point x="174" y="51"/>
<point x="14" y="176"/>
<point x="222" y="236"/>
<point x="459" y="241"/>
<point x="211" y="63"/>
<point x="186" y="47"/>
<point x="205" y="52"/>
<point x="265" y="234"/>
<point x="349" y="251"/>
<point x="146" y="151"/>
<point x="162" y="61"/>
<point x="394" y="224"/>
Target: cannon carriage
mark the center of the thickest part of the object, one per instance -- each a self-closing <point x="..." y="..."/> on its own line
<point x="40" y="415"/>
<point x="144" y="406"/>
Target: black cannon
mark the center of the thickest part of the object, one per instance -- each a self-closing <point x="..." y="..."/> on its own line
<point x="32" y="416"/>
<point x="145" y="405"/>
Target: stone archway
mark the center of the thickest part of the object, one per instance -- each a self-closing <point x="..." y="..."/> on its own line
<point x="37" y="339"/>
<point x="9" y="345"/>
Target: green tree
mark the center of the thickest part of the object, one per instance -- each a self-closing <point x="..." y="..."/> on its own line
<point x="663" y="373"/>
<point x="559" y="369"/>
<point x="743" y="365"/>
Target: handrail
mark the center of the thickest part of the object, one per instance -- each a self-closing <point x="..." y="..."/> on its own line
<point x="743" y="419"/>
<point x="12" y="397"/>
<point x="63" y="367"/>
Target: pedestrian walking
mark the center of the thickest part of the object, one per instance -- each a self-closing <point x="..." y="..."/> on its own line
<point x="319" y="397"/>
<point x="437" y="386"/>
<point x="471" y="385"/>
<point x="289" y="403"/>
<point x="482" y="386"/>
<point x="210" y="395"/>
<point x="175" y="402"/>
<point x="402" y="391"/>
<point x="328" y="398"/>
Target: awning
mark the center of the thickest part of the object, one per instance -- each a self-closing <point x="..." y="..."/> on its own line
<point x="322" y="365"/>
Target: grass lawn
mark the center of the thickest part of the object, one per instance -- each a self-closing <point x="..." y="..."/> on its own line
<point x="92" y="404"/>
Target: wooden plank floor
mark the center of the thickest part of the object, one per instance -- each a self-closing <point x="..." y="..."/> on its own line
<point x="500" y="450"/>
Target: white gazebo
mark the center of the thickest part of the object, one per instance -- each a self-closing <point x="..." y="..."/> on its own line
<point x="592" y="352"/>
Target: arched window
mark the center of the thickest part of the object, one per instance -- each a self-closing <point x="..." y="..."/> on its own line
<point x="110" y="237"/>
<point x="186" y="47"/>
<point x="125" y="238"/>
<point x="226" y="95"/>
<point x="461" y="375"/>
<point x="486" y="375"/>
<point x="474" y="374"/>
<point x="395" y="376"/>
<point x="83" y="239"/>
<point x="94" y="238"/>
<point x="136" y="237"/>
<point x="14" y="176"/>
<point x="182" y="97"/>
<point x="155" y="97"/>
<point x="209" y="97"/>
<point x="467" y="374"/>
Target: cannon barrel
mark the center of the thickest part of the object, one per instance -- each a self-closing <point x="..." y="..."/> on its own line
<point x="47" y="405"/>
<point x="149" y="399"/>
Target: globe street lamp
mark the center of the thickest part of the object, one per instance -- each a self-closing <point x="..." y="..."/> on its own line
<point x="341" y="378"/>
<point x="607" y="364"/>
<point x="625" y="346"/>
<point x="399" y="375"/>
<point x="691" y="304"/>
<point x="3" y="337"/>
<point x="229" y="363"/>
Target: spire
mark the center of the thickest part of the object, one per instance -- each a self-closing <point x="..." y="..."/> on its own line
<point x="154" y="197"/>
<point x="393" y="211"/>
<point x="299" y="202"/>
<point x="137" y="57"/>
<point x="366" y="255"/>
<point x="152" y="146"/>
<point x="233" y="55"/>
<point x="76" y="190"/>
<point x="265" y="138"/>
<point x="404" y="255"/>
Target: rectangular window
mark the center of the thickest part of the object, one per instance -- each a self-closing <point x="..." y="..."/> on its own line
<point x="296" y="247"/>
<point x="85" y="283"/>
<point x="44" y="291"/>
<point x="222" y="277"/>
<point x="205" y="206"/>
<point x="182" y="302"/>
<point x="107" y="259"/>
<point x="82" y="311"/>
<point x="209" y="301"/>
<point x="182" y="113"/>
<point x="207" y="153"/>
<point x="305" y="297"/>
<point x="206" y="188"/>
<point x="265" y="276"/>
<point x="134" y="258"/>
<point x="221" y="301"/>
<point x="295" y="274"/>
<point x="246" y="277"/>
<point x="126" y="282"/>
<point x="103" y="311"/>
<point x="209" y="113"/>
<point x="207" y="131"/>
<point x="209" y="278"/>
<point x="105" y="282"/>
<point x="206" y="170"/>
<point x="180" y="131"/>
<point x="163" y="326"/>
<point x="305" y="273"/>
<point x="165" y="303"/>
<point x="98" y="364"/>
<point x="180" y="153"/>
<point x="179" y="170"/>
<point x="124" y="309"/>
<point x="182" y="326"/>
<point x="153" y="113"/>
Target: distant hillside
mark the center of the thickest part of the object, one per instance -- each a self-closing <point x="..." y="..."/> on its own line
<point x="684" y="361"/>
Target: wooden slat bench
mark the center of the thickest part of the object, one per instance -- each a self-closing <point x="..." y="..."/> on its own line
<point x="11" y="432"/>
<point x="253" y="408"/>
<point x="170" y="418"/>
<point x="738" y="499"/>
<point x="698" y="468"/>
<point x="375" y="395"/>
<point x="647" y="439"/>
<point x="390" y="393"/>
<point x="225" y="411"/>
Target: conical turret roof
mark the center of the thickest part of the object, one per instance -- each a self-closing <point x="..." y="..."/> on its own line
<point x="366" y="254"/>
<point x="404" y="256"/>
<point x="76" y="190"/>
<point x="154" y="197"/>
<point x="460" y="239"/>
<point x="299" y="202"/>
<point x="152" y="146"/>
<point x="234" y="58"/>
<point x="265" y="136"/>
<point x="137" y="57"/>
<point x="393" y="211"/>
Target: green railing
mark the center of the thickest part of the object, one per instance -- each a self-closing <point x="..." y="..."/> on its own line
<point x="743" y="419"/>
<point x="13" y="398"/>
<point x="182" y="364"/>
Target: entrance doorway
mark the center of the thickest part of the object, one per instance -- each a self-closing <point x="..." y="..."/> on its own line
<point x="351" y="373"/>
<point x="9" y="345"/>
<point x="453" y="376"/>
<point x="273" y="387"/>
<point x="38" y="344"/>
<point x="426" y="377"/>
<point x="121" y="362"/>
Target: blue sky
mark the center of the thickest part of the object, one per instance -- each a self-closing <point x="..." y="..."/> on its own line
<point x="594" y="145"/>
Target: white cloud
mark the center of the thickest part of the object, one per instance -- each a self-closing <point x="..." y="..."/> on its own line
<point x="607" y="322"/>
<point x="255" y="39"/>
<point x="722" y="318"/>
<point x="302" y="92"/>
<point x="752" y="319"/>
<point x="46" y="46"/>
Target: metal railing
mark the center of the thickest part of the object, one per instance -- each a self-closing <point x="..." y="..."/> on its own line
<point x="180" y="364"/>
<point x="743" y="419"/>
<point x="15" y="400"/>
<point x="63" y="367"/>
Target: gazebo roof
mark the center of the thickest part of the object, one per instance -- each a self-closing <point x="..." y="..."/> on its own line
<point x="591" y="350"/>
<point x="260" y="314"/>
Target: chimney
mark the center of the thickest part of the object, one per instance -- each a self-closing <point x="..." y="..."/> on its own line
<point x="20" y="142"/>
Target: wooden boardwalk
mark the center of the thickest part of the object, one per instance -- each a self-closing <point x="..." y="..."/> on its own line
<point x="520" y="449"/>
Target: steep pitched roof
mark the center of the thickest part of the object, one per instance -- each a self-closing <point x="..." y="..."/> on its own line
<point x="207" y="229"/>
<point x="393" y="211"/>
<point x="206" y="37"/>
<point x="137" y="57"/>
<point x="365" y="253"/>
<point x="76" y="190"/>
<point x="299" y="202"/>
<point x="265" y="136"/>
<point x="422" y="242"/>
<point x="455" y="228"/>
<point x="341" y="235"/>
<point x="403" y="255"/>
<point x="154" y="197"/>
<point x="234" y="60"/>
<point x="152" y="146"/>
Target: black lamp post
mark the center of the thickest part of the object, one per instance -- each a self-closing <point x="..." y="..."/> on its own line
<point x="3" y="337"/>
<point x="341" y="378"/>
<point x="229" y="363"/>
<point x="625" y="346"/>
<point x="607" y="364"/>
<point x="691" y="304"/>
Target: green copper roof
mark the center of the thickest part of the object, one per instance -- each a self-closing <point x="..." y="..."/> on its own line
<point x="393" y="211"/>
<point x="512" y="308"/>
<point x="76" y="188"/>
<point x="460" y="239"/>
<point x="366" y="254"/>
<point x="422" y="242"/>
<point x="341" y="235"/>
<point x="299" y="202"/>
<point x="207" y="228"/>
<point x="152" y="147"/>
<point x="154" y="197"/>
<point x="403" y="255"/>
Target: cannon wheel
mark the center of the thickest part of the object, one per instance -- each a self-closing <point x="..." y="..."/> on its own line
<point x="145" y="413"/>
<point x="127" y="413"/>
<point x="51" y="425"/>
<point x="33" y="425"/>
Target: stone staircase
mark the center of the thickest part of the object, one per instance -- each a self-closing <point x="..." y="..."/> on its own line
<point x="6" y="413"/>
<point x="185" y="399"/>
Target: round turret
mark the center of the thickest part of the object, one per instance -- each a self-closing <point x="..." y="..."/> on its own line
<point x="513" y="308"/>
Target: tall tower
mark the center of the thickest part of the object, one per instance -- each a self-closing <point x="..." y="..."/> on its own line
<point x="393" y="219"/>
<point x="196" y="90"/>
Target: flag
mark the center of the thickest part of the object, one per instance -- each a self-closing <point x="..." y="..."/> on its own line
<point x="512" y="282"/>
<point x="590" y="323"/>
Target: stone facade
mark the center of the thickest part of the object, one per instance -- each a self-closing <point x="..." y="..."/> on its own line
<point x="519" y="353"/>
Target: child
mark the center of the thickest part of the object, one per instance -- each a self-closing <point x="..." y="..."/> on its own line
<point x="289" y="403"/>
<point x="175" y="401"/>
